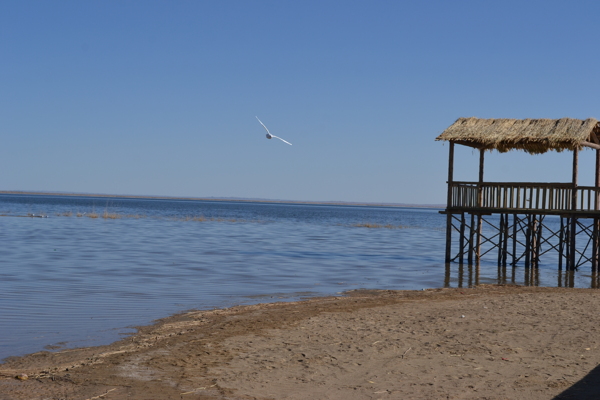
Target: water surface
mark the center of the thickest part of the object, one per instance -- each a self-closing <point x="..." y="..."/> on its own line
<point x="69" y="280"/>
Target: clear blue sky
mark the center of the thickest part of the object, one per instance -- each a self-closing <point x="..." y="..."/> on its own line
<point x="160" y="97"/>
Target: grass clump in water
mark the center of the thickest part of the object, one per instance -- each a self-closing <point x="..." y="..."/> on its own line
<point x="378" y="226"/>
<point x="135" y="216"/>
<point x="107" y="215"/>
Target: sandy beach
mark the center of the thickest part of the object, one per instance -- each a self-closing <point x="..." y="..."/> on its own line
<point x="488" y="342"/>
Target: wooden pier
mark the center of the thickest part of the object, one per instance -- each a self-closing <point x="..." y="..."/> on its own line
<point x="516" y="214"/>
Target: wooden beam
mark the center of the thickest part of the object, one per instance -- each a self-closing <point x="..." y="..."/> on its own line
<point x="480" y="189"/>
<point x="449" y="203"/>
<point x="481" y="160"/>
<point x="575" y="176"/>
<point x="466" y="143"/>
<point x="591" y="145"/>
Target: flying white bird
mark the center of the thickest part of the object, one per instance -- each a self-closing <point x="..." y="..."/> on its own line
<point x="269" y="136"/>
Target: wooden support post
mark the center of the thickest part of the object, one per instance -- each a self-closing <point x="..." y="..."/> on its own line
<point x="573" y="242"/>
<point x="514" y="244"/>
<point x="595" y="230"/>
<point x="506" y="236"/>
<point x="480" y="187"/>
<point x="500" y="239"/>
<point x="561" y="243"/>
<point x="533" y="239"/>
<point x="478" y="244"/>
<point x="461" y="240"/>
<point x="479" y="205"/>
<point x="471" y="239"/>
<point x="470" y="275"/>
<point x="528" y="241"/>
<point x="449" y="204"/>
<point x="539" y="240"/>
<point x="568" y="245"/>
<point x="560" y="282"/>
<point x="570" y="279"/>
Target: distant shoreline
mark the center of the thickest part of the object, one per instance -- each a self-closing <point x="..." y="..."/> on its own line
<point x="231" y="199"/>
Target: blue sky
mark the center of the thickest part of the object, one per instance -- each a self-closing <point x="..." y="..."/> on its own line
<point x="160" y="97"/>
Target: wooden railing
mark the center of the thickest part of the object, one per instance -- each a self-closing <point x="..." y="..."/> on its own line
<point x="524" y="196"/>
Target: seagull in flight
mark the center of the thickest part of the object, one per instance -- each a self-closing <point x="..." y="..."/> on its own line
<point x="269" y="136"/>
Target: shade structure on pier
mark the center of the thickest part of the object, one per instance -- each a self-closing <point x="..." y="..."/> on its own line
<point x="533" y="136"/>
<point x="526" y="203"/>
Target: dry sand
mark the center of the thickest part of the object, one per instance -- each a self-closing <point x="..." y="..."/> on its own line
<point x="489" y="342"/>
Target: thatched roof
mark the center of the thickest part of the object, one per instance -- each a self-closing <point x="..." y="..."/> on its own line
<point x="531" y="135"/>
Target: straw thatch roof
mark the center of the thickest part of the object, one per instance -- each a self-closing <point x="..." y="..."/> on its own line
<point x="531" y="135"/>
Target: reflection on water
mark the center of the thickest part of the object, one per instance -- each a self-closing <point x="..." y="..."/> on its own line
<point x="96" y="266"/>
<point x="468" y="276"/>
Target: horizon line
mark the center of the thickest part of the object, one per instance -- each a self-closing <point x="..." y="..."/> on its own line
<point x="240" y="199"/>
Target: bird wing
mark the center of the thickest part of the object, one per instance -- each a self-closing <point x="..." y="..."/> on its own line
<point x="282" y="139"/>
<point x="263" y="126"/>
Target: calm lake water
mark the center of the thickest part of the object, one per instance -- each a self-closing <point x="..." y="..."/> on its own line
<point x="93" y="268"/>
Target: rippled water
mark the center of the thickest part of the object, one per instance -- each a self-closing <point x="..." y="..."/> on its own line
<point x="69" y="280"/>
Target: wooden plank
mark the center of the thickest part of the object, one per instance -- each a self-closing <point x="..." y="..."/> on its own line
<point x="497" y="198"/>
<point x="544" y="193"/>
<point x="589" y="199"/>
<point x="531" y="197"/>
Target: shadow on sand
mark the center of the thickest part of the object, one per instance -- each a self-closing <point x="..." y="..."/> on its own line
<point x="586" y="389"/>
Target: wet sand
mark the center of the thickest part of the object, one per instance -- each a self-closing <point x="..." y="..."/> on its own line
<point x="489" y="342"/>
